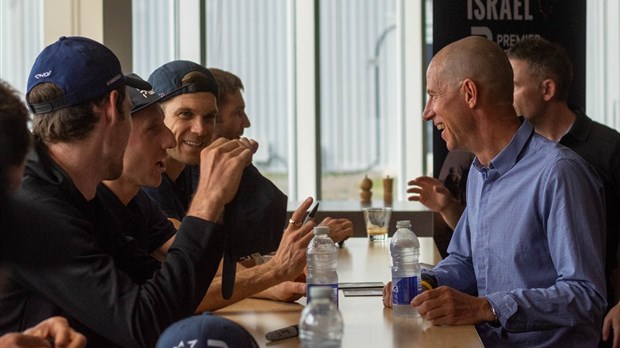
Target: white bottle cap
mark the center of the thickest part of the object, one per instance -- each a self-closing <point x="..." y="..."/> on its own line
<point x="403" y="224"/>
<point x="321" y="230"/>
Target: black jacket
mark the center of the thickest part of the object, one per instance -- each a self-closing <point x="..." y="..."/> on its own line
<point x="63" y="255"/>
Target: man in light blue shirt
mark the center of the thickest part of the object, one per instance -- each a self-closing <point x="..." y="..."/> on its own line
<point x="526" y="259"/>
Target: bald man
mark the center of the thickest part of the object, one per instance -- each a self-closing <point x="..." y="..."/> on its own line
<point x="525" y="263"/>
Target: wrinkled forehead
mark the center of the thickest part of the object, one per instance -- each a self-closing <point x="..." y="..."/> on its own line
<point x="438" y="78"/>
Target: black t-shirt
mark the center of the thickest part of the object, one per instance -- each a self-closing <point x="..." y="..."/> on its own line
<point x="141" y="218"/>
<point x="174" y="197"/>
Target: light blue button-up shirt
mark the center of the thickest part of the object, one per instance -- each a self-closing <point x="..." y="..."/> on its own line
<point x="531" y="241"/>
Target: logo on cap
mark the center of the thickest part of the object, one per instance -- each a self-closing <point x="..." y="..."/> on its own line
<point x="190" y="344"/>
<point x="146" y="93"/>
<point x="45" y="74"/>
<point x="210" y="343"/>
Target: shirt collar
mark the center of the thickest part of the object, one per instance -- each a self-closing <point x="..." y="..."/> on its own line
<point x="507" y="158"/>
<point x="581" y="128"/>
<point x="114" y="203"/>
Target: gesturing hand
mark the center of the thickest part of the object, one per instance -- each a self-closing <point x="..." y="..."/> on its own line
<point x="430" y="192"/>
<point x="436" y="197"/>
<point x="290" y="258"/>
<point x="339" y="229"/>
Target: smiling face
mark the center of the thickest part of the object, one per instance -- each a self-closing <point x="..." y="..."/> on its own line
<point x="445" y="109"/>
<point x="191" y="118"/>
<point x="231" y="118"/>
<point x="146" y="150"/>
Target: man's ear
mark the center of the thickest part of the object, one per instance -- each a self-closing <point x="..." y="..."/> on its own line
<point x="109" y="109"/>
<point x="548" y="89"/>
<point x="470" y="93"/>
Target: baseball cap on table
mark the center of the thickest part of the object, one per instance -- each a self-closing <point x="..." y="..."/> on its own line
<point x="141" y="98"/>
<point x="83" y="68"/>
<point x="206" y="330"/>
<point x="166" y="80"/>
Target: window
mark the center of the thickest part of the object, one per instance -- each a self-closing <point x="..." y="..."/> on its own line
<point x="154" y="33"/>
<point x="360" y="91"/>
<point x="602" y="56"/>
<point x="253" y="40"/>
<point x="358" y="56"/>
<point x="21" y="39"/>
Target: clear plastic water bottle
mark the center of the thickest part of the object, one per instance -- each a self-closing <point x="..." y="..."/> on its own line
<point x="322" y="258"/>
<point x="405" y="250"/>
<point x="321" y="322"/>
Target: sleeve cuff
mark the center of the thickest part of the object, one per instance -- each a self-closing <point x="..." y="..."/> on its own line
<point x="495" y="322"/>
<point x="428" y="281"/>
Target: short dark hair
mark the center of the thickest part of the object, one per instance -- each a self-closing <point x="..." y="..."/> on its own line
<point x="546" y="60"/>
<point x="227" y="84"/>
<point x="197" y="79"/>
<point x="70" y="123"/>
<point x="15" y="138"/>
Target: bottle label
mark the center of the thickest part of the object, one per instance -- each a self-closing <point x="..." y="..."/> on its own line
<point x="334" y="292"/>
<point x="404" y="290"/>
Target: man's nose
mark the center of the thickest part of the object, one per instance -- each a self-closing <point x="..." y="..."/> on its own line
<point x="246" y="121"/>
<point x="200" y="124"/>
<point x="428" y="113"/>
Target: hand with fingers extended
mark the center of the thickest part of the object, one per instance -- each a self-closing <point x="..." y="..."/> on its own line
<point x="612" y="323"/>
<point x="280" y="278"/>
<point x="52" y="332"/>
<point x="339" y="229"/>
<point x="290" y="259"/>
<point x="221" y="167"/>
<point x="436" y="197"/>
<point x="447" y="306"/>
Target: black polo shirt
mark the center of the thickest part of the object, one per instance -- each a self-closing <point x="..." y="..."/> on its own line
<point x="141" y="218"/>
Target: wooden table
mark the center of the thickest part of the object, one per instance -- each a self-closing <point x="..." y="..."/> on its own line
<point x="366" y="322"/>
<point x="420" y="216"/>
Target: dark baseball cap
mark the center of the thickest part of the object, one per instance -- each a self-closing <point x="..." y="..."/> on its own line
<point x="166" y="80"/>
<point x="141" y="98"/>
<point x="206" y="330"/>
<point x="83" y="68"/>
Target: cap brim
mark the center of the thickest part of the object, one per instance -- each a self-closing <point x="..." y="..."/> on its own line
<point x="133" y="80"/>
<point x="143" y="106"/>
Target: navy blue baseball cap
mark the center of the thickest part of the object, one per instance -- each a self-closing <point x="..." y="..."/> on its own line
<point x="206" y="330"/>
<point x="167" y="79"/>
<point x="83" y="68"/>
<point x="141" y="98"/>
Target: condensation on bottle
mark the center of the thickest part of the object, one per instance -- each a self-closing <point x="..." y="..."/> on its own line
<point x="321" y="323"/>
<point x="405" y="251"/>
<point x="322" y="259"/>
